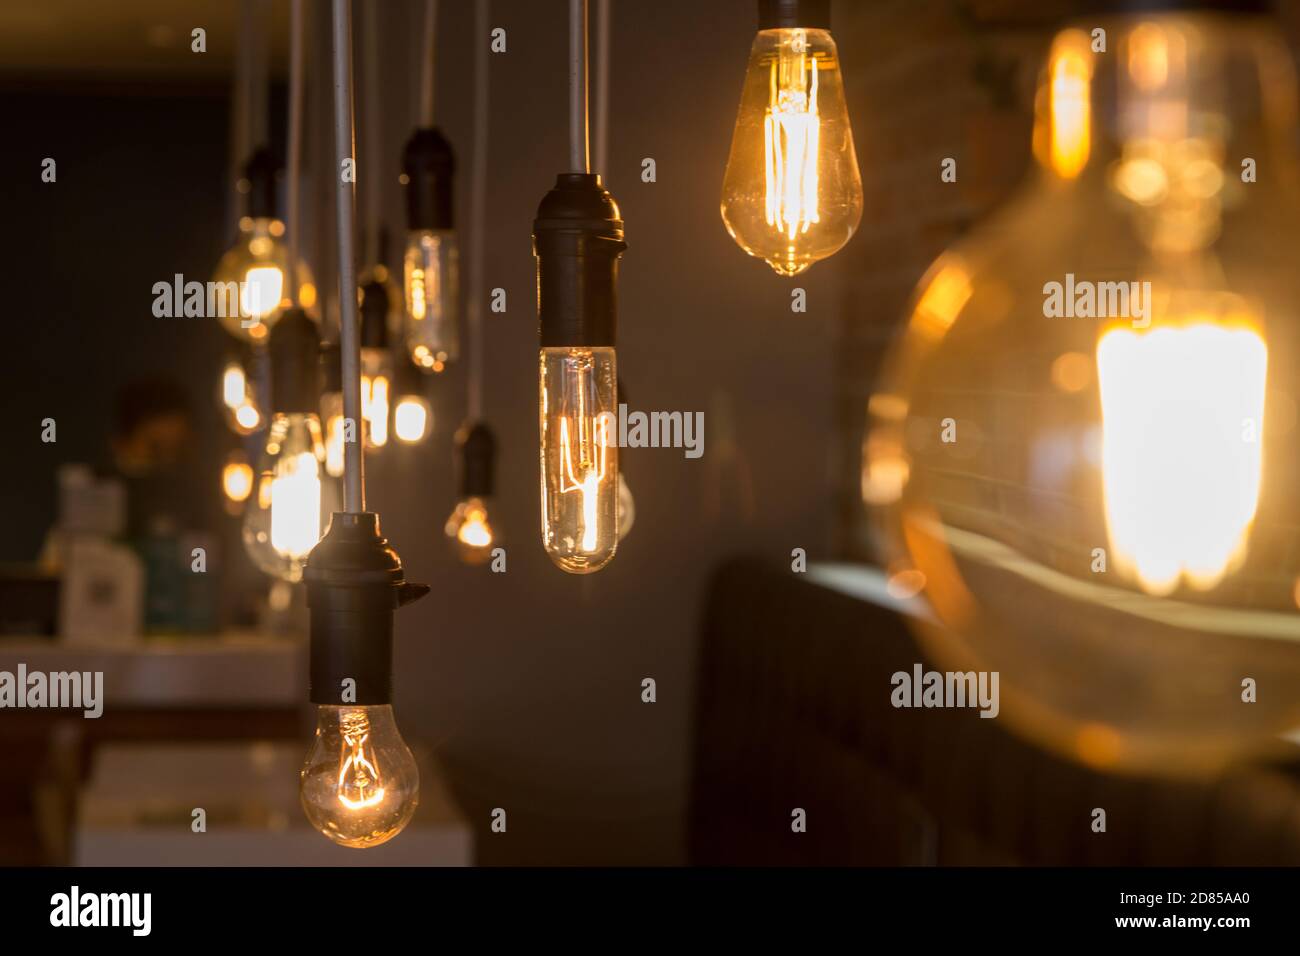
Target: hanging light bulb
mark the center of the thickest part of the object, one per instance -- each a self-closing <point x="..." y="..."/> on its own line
<point x="236" y="480"/>
<point x="468" y="527"/>
<point x="376" y="363"/>
<point x="359" y="784"/>
<point x="331" y="409"/>
<point x="238" y="398"/>
<point x="792" y="194"/>
<point x="412" y="413"/>
<point x="431" y="258"/>
<point x="284" y="522"/>
<point x="1082" y="450"/>
<point x="255" y="268"/>
<point x="578" y="239"/>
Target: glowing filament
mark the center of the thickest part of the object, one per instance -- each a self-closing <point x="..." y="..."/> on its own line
<point x="359" y="784"/>
<point x="475" y="531"/>
<point x="261" y="291"/>
<point x="1071" y="104"/>
<point x="1182" y="449"/>
<point x="417" y="294"/>
<point x="791" y="135"/>
<point x="374" y="407"/>
<point x="586" y="478"/>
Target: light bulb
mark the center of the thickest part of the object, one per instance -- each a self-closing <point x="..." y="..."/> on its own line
<point x="359" y="784"/>
<point x="332" y="416"/>
<point x="626" y="507"/>
<point x="258" y="263"/>
<point x="579" y="457"/>
<point x="792" y="194"/>
<point x="238" y="403"/>
<point x="432" y="299"/>
<point x="470" y="531"/>
<point x="376" y="392"/>
<point x="1082" y="450"/>
<point x="237" y="478"/>
<point x="411" y="418"/>
<point x="283" y="523"/>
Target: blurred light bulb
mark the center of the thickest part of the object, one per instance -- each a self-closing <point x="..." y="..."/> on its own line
<point x="284" y="522"/>
<point x="626" y="507"/>
<point x="359" y="784"/>
<point x="411" y="419"/>
<point x="237" y="478"/>
<point x="258" y="265"/>
<point x="432" y="299"/>
<point x="579" y="457"/>
<point x="1097" y="501"/>
<point x="332" y="415"/>
<point x="469" y="529"/>
<point x="376" y="389"/>
<point x="792" y="194"/>
<point x="238" y="404"/>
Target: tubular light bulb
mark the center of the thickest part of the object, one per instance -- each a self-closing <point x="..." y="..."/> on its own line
<point x="359" y="784"/>
<point x="1081" y="451"/>
<point x="376" y="389"/>
<point x="284" y="522"/>
<point x="432" y="298"/>
<point x="470" y="530"/>
<point x="792" y="194"/>
<point x="579" y="457"/>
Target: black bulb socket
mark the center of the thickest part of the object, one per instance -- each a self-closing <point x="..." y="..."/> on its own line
<point x="295" y="364"/>
<point x="794" y="14"/>
<point x="430" y="168"/>
<point x="578" y="240"/>
<point x="331" y="368"/>
<point x="260" y="173"/>
<point x="375" y="306"/>
<point x="354" y="584"/>
<point x="478" y="450"/>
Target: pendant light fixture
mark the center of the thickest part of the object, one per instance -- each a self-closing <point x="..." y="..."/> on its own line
<point x="377" y="366"/>
<point x="578" y="240"/>
<point x="359" y="784"/>
<point x="1082" y="445"/>
<point x="792" y="194"/>
<point x="412" y="413"/>
<point x="331" y="408"/>
<point x="431" y="304"/>
<point x="469" y="527"/>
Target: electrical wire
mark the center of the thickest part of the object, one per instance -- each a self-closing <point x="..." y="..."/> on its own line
<point x="478" y="211"/>
<point x="295" y="139"/>
<point x="354" y="492"/>
<point x="428" y="37"/>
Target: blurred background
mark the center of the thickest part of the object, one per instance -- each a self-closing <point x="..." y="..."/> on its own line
<point x="523" y="690"/>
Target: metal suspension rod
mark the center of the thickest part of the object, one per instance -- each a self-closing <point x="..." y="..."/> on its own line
<point x="478" y="211"/>
<point x="354" y="493"/>
<point x="579" y="161"/>
<point x="602" y="88"/>
<point x="295" y="140"/>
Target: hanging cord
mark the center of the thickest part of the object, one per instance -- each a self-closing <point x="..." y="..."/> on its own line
<point x="428" y="37"/>
<point x="370" y="145"/>
<point x="602" y="88"/>
<point x="478" y="211"/>
<point x="259" y="73"/>
<point x="354" y="492"/>
<point x="579" y="157"/>
<point x="295" y="139"/>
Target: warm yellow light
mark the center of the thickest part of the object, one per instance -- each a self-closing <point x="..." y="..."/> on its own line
<point x="471" y="531"/>
<point x="1071" y="109"/>
<point x="234" y="386"/>
<point x="261" y="292"/>
<point x="237" y="480"/>
<point x="295" y="505"/>
<point x="359" y="783"/>
<point x="1182" y="448"/>
<point x="247" y="416"/>
<point x="416" y="294"/>
<point x="411" y="419"/>
<point x="475" y="531"/>
<point x="374" y="408"/>
<point x="334" y="445"/>
<point x="791" y="134"/>
<point x="588" y="475"/>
